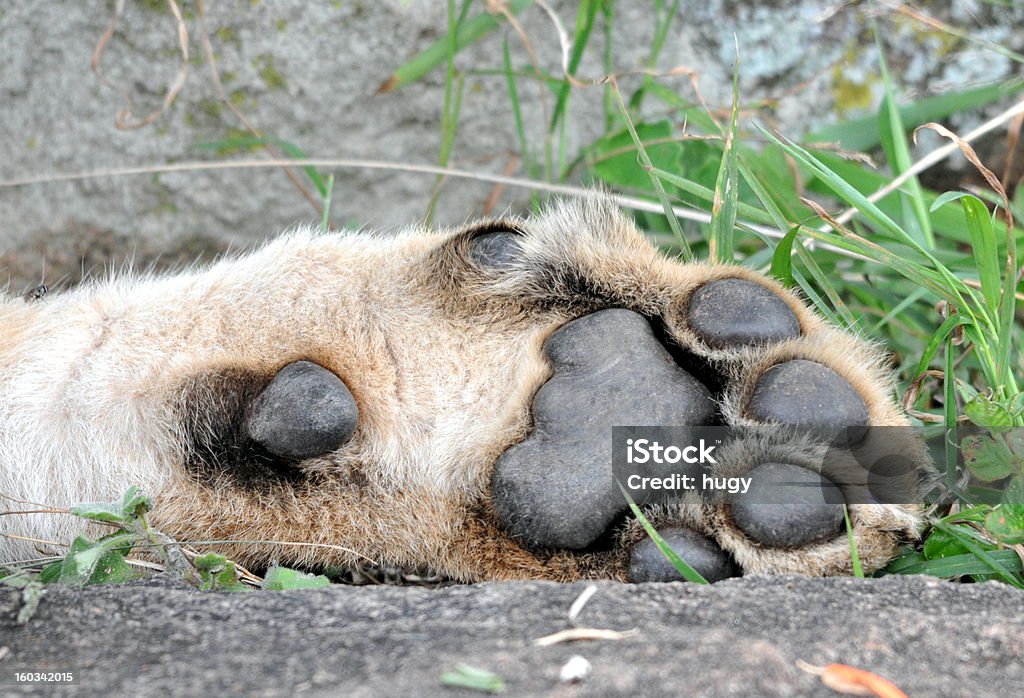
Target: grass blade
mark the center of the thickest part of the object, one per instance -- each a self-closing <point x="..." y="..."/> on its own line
<point x="584" y="25"/>
<point x="983" y="244"/>
<point x="862" y="134"/>
<point x="645" y="162"/>
<point x="894" y="142"/>
<point x="468" y="32"/>
<point x="723" y="209"/>
<point x="995" y="565"/>
<point x="689" y="574"/>
<point x="858" y="570"/>
<point x="782" y="258"/>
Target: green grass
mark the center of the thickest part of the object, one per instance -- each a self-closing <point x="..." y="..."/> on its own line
<point x="107" y="560"/>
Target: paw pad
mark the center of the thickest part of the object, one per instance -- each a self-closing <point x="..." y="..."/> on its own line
<point x="648" y="564"/>
<point x="807" y="394"/>
<point x="305" y="411"/>
<point x="788" y="506"/>
<point x="737" y="312"/>
<point x="495" y="248"/>
<point x="556" y="488"/>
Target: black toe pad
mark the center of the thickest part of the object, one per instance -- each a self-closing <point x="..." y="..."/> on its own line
<point x="305" y="411"/>
<point x="496" y="249"/>
<point x="556" y="489"/>
<point x="805" y="393"/>
<point x="648" y="564"/>
<point x="788" y="506"/>
<point x="736" y="312"/>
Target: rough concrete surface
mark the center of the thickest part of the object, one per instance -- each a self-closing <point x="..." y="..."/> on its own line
<point x="307" y="73"/>
<point x="739" y="637"/>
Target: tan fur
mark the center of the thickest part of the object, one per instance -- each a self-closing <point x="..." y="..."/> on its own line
<point x="98" y="385"/>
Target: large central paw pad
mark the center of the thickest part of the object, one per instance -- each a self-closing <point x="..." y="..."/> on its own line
<point x="555" y="489"/>
<point x="756" y="359"/>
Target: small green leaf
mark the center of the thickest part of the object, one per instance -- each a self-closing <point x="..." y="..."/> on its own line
<point x="988" y="458"/>
<point x="217" y="573"/>
<point x="466" y="676"/>
<point x="1006" y="522"/>
<point x="112" y="568"/>
<point x="940" y="544"/>
<point x="107" y="512"/>
<point x="782" y="258"/>
<point x="51" y="573"/>
<point x="85" y="558"/>
<point x="134" y="504"/>
<point x="30" y="597"/>
<point x="285" y="579"/>
<point x="615" y="156"/>
<point x="985" y="412"/>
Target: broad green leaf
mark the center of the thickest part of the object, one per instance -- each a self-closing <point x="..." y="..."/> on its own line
<point x="989" y="458"/>
<point x="615" y="160"/>
<point x="132" y="503"/>
<point x="1006" y="522"/>
<point x="284" y="579"/>
<point x="1013" y="495"/>
<point x="107" y="512"/>
<point x="84" y="557"/>
<point x="112" y="568"/>
<point x="985" y="412"/>
<point x="51" y="573"/>
<point x="940" y="544"/>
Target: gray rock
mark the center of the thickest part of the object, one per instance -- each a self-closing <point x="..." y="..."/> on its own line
<point x="648" y="564"/>
<point x="807" y="394"/>
<point x="556" y="488"/>
<point x="737" y="312"/>
<point x="305" y="411"/>
<point x="788" y="506"/>
<point x="317" y="90"/>
<point x="740" y="637"/>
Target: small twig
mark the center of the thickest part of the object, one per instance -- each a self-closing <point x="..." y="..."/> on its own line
<point x="498" y="189"/>
<point x="124" y="119"/>
<point x="211" y="61"/>
<point x="581" y="601"/>
<point x="629" y="202"/>
<point x="576" y="634"/>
